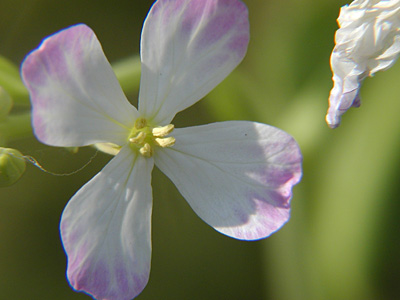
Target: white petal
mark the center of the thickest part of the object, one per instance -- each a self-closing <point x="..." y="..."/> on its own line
<point x="75" y="95"/>
<point x="106" y="229"/>
<point x="345" y="91"/>
<point x="367" y="41"/>
<point x="187" y="48"/>
<point x="237" y="176"/>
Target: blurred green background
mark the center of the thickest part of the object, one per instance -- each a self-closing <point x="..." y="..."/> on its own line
<point x="343" y="239"/>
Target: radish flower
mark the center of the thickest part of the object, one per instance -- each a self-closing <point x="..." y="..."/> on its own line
<point x="367" y="41"/>
<point x="237" y="176"/>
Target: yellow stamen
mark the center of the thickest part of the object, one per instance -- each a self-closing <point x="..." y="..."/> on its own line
<point x="144" y="137"/>
<point x="163" y="131"/>
<point x="146" y="150"/>
<point x="165" y="142"/>
<point x="139" y="139"/>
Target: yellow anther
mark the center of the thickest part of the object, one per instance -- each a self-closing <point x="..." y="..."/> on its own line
<point x="144" y="137"/>
<point x="139" y="139"/>
<point x="140" y="123"/>
<point x="165" y="142"/>
<point x="162" y="131"/>
<point x="146" y="150"/>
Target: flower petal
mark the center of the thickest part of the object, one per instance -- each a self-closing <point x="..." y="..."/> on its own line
<point x="187" y="48"/>
<point x="75" y="95"/>
<point x="345" y="91"/>
<point x="237" y="176"/>
<point x="106" y="228"/>
<point x="367" y="41"/>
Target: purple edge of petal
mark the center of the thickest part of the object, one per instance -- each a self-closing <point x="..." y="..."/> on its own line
<point x="32" y="72"/>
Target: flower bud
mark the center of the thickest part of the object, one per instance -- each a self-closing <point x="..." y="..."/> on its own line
<point x="5" y="103"/>
<point x="12" y="166"/>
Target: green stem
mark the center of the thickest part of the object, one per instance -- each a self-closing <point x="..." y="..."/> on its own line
<point x="128" y="73"/>
<point x="11" y="81"/>
<point x="16" y="126"/>
<point x="16" y="89"/>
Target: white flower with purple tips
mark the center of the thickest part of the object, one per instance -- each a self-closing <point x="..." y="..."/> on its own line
<point x="237" y="176"/>
<point x="367" y="41"/>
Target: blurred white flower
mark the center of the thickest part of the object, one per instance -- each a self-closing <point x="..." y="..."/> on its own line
<point x="367" y="41"/>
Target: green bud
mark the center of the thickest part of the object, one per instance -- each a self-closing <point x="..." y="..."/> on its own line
<point x="12" y="166"/>
<point x="5" y="103"/>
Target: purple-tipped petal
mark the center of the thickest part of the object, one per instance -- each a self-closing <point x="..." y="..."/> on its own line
<point x="237" y="176"/>
<point x="106" y="230"/>
<point x="187" y="48"/>
<point x="344" y="94"/>
<point x="76" y="98"/>
<point x="367" y="41"/>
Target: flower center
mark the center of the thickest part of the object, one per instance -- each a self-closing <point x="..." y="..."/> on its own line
<point x="144" y="137"/>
